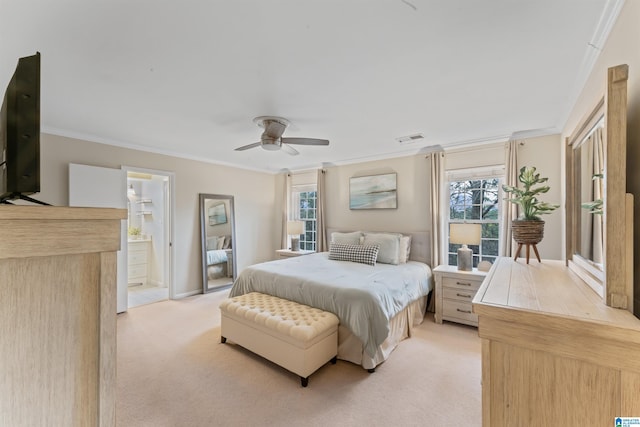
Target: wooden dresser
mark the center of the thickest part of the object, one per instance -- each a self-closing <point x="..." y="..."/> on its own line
<point x="552" y="352"/>
<point x="58" y="315"/>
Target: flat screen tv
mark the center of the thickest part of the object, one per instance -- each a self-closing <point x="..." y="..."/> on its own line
<point x="20" y="132"/>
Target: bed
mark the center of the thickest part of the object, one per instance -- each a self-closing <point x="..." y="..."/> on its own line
<point x="217" y="255"/>
<point x="378" y="305"/>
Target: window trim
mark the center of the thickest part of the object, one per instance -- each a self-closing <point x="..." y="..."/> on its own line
<point x="473" y="174"/>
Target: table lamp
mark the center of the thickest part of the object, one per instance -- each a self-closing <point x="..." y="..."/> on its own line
<point x="465" y="234"/>
<point x="295" y="229"/>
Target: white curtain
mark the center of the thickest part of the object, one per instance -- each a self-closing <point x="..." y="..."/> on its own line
<point x="437" y="193"/>
<point x="321" y="226"/>
<point x="598" y="193"/>
<point x="436" y="197"/>
<point x="286" y="196"/>
<point x="510" y="210"/>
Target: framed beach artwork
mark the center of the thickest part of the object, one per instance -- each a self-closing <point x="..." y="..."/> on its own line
<point x="373" y="192"/>
<point x="217" y="214"/>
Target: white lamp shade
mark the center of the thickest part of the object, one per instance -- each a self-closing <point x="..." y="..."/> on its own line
<point x="465" y="234"/>
<point x="295" y="228"/>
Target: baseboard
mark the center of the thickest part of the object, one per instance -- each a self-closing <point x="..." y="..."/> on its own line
<point x="187" y="294"/>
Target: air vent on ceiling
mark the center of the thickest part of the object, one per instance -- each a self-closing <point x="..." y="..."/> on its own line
<point x="410" y="138"/>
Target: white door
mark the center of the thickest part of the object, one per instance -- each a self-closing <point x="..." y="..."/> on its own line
<point x="96" y="187"/>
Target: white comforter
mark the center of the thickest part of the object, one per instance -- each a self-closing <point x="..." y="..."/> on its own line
<point x="363" y="297"/>
<point x="216" y="256"/>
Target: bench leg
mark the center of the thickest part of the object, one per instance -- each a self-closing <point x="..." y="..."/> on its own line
<point x="334" y="360"/>
<point x="371" y="370"/>
<point x="304" y="381"/>
<point x="223" y="340"/>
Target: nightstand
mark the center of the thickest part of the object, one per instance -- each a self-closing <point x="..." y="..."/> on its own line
<point x="455" y="290"/>
<point x="288" y="253"/>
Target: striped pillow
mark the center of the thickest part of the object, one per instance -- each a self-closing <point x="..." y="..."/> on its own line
<point x="364" y="254"/>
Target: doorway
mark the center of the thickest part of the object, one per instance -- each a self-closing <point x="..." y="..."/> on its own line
<point x="149" y="236"/>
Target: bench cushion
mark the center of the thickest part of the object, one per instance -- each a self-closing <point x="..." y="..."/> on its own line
<point x="290" y="320"/>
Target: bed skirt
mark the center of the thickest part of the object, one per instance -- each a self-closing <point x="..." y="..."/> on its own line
<point x="400" y="327"/>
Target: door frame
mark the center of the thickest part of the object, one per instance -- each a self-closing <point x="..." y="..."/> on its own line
<point x="169" y="226"/>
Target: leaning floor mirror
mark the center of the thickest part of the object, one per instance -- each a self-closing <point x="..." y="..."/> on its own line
<point x="217" y="225"/>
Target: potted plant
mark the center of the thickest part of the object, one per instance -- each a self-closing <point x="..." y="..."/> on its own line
<point x="529" y="227"/>
<point x="595" y="207"/>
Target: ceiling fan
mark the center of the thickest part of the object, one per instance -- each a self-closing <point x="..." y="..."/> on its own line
<point x="272" y="139"/>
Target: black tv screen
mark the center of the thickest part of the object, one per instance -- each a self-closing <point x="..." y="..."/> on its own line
<point x="20" y="132"/>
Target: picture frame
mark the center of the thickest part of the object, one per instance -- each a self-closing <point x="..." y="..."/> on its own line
<point x="373" y="192"/>
<point x="217" y="214"/>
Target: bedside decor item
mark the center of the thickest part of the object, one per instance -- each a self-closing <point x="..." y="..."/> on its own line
<point x="528" y="229"/>
<point x="484" y="266"/>
<point x="295" y="229"/>
<point x="465" y="234"/>
<point x="373" y="192"/>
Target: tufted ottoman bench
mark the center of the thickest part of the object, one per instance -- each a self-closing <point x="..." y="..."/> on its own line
<point x="295" y="336"/>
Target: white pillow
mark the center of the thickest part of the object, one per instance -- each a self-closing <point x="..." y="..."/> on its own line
<point x="220" y="243"/>
<point x="353" y="238"/>
<point x="389" y="246"/>
<point x="212" y="243"/>
<point x="404" y="250"/>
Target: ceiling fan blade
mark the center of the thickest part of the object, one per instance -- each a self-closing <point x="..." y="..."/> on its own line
<point x="289" y="150"/>
<point x="246" y="147"/>
<point x="274" y="128"/>
<point x="305" y="141"/>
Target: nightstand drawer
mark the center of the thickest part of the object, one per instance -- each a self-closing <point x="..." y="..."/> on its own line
<point x="467" y="283"/>
<point x="459" y="310"/>
<point x="464" y="295"/>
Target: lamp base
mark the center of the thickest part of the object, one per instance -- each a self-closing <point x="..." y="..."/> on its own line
<point x="295" y="244"/>
<point x="465" y="259"/>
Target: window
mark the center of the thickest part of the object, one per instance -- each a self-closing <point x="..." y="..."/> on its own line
<point x="304" y="198"/>
<point x="476" y="201"/>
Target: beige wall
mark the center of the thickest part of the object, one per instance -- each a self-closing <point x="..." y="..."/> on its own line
<point x="252" y="191"/>
<point x="622" y="47"/>
<point x="412" y="213"/>
<point x="545" y="154"/>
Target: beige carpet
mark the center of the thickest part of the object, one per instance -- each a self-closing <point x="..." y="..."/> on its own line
<point x="173" y="371"/>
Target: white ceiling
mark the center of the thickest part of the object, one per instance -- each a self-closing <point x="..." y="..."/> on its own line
<point x="187" y="77"/>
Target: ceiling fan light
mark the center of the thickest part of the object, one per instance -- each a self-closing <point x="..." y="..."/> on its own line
<point x="270" y="146"/>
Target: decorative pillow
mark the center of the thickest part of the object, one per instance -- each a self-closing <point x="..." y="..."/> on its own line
<point x="353" y="238"/>
<point x="227" y="242"/>
<point x="389" y="246"/>
<point x="220" y="243"/>
<point x="405" y="249"/>
<point x="212" y="243"/>
<point x="354" y="253"/>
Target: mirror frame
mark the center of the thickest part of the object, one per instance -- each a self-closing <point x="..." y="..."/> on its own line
<point x="615" y="282"/>
<point x="203" y="197"/>
<point x="585" y="268"/>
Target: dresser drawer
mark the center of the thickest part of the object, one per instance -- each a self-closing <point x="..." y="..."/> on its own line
<point x="459" y="310"/>
<point x="137" y="257"/>
<point x="464" y="295"/>
<point x="138" y="270"/>
<point x="468" y="283"/>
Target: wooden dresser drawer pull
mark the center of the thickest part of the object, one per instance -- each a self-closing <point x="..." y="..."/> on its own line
<point x="463" y="295"/>
<point x="463" y="283"/>
<point x="464" y="311"/>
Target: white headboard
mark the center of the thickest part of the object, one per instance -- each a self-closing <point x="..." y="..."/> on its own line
<point x="420" y="242"/>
